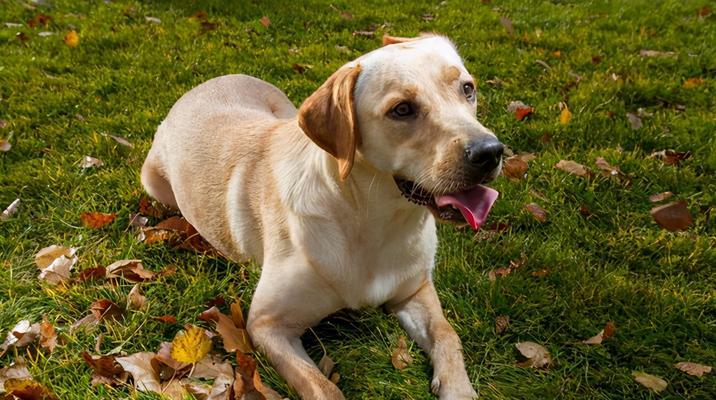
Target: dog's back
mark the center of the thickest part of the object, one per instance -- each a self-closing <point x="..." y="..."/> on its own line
<point x="229" y="118"/>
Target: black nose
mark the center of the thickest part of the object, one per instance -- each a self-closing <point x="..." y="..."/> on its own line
<point x="484" y="154"/>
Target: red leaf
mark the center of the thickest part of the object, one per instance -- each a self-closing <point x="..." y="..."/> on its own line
<point x="103" y="309"/>
<point x="167" y="319"/>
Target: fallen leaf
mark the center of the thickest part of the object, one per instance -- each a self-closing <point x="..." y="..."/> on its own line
<point x="221" y="372"/>
<point x="605" y="333"/>
<point x="191" y="345"/>
<point x="27" y="389"/>
<point x="235" y="338"/>
<point x="137" y="220"/>
<point x="501" y="324"/>
<point x="634" y="121"/>
<point x="3" y="123"/>
<point x="88" y="322"/>
<point x="519" y="109"/>
<point x="247" y="384"/>
<point x="656" y="198"/>
<point x="72" y="39"/>
<point x="5" y="146"/>
<point x="607" y="168"/>
<point x="540" y="273"/>
<point x="400" y="358"/>
<point x="120" y="140"/>
<point x="207" y="26"/>
<point x="265" y="21"/>
<point x="537" y="212"/>
<point x="48" y="336"/>
<point x="326" y="365"/>
<point x="135" y="299"/>
<point x="704" y="11"/>
<point x="537" y="356"/>
<point x="346" y="15"/>
<point x="572" y="168"/>
<point x="152" y="208"/>
<point x="10" y="210"/>
<point x="39" y="19"/>
<point x="501" y="272"/>
<point x="674" y="216"/>
<point x="693" y="368"/>
<point x="565" y="115"/>
<point x="21" y="335"/>
<point x="105" y="370"/>
<point x="167" y="319"/>
<point x="96" y="220"/>
<point x="514" y="168"/>
<point x="16" y="370"/>
<point x="139" y="365"/>
<point x="237" y="315"/>
<point x="507" y="24"/>
<point x="106" y="309"/>
<point x="90" y="162"/>
<point x="178" y="232"/>
<point x="656" y="53"/>
<point x="153" y="20"/>
<point x="671" y="157"/>
<point x="596" y="60"/>
<point x="652" y="382"/>
<point x="131" y="270"/>
<point x="692" y="83"/>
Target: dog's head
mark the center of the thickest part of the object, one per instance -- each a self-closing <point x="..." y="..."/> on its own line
<point x="408" y="109"/>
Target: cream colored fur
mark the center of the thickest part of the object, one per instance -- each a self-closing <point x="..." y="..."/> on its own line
<point x="232" y="157"/>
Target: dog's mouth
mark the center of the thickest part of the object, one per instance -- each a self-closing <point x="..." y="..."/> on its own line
<point x="471" y="205"/>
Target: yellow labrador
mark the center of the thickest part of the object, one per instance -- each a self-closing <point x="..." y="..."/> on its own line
<point x="338" y="199"/>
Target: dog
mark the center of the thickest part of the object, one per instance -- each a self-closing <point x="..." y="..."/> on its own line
<point x="336" y="200"/>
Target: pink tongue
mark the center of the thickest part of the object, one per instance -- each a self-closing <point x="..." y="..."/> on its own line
<point x="474" y="204"/>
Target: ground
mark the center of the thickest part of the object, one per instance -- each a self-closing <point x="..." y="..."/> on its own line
<point x="605" y="259"/>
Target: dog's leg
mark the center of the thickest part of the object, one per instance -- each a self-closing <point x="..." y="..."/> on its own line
<point x="281" y="310"/>
<point x="422" y="317"/>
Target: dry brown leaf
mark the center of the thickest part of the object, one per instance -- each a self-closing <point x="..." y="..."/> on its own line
<point x="400" y="358"/>
<point x="634" y="121"/>
<point x="237" y="315"/>
<point x="121" y="140"/>
<point x="674" y="216"/>
<point x="693" y="82"/>
<point x="265" y="21"/>
<point x="246" y="377"/>
<point x="21" y="335"/>
<point x="131" y="270"/>
<point x="16" y="370"/>
<point x="135" y="299"/>
<point x="693" y="368"/>
<point x="326" y="365"/>
<point x="91" y="162"/>
<point x="537" y="212"/>
<point x="190" y="345"/>
<point x="45" y="257"/>
<point x="86" y="323"/>
<point x="514" y="168"/>
<point x="106" y="309"/>
<point x="55" y="263"/>
<point x="164" y="355"/>
<point x="27" y="389"/>
<point x="501" y="272"/>
<point x="671" y="157"/>
<point x="95" y="273"/>
<point x="167" y="319"/>
<point x="608" y="169"/>
<point x="652" y="382"/>
<point x="5" y="146"/>
<point x="48" y="336"/>
<point x="139" y="365"/>
<point x="507" y="24"/>
<point x="536" y="355"/>
<point x="234" y="337"/>
<point x="179" y="233"/>
<point x="105" y="370"/>
<point x="572" y="168"/>
<point x="10" y="210"/>
<point x="152" y="208"/>
<point x="221" y="372"/>
<point x="605" y="333"/>
<point x="540" y="273"/>
<point x="659" y="197"/>
<point x="96" y="220"/>
<point x="501" y="324"/>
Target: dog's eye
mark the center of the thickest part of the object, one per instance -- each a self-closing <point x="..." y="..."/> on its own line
<point x="469" y="90"/>
<point x="403" y="110"/>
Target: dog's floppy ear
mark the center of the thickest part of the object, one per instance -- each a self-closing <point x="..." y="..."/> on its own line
<point x="328" y="117"/>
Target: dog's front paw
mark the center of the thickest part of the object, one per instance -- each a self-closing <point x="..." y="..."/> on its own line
<point x="447" y="389"/>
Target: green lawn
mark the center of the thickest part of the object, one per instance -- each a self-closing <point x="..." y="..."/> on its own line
<point x="614" y="264"/>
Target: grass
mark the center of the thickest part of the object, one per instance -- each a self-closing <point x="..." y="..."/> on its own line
<point x="617" y="265"/>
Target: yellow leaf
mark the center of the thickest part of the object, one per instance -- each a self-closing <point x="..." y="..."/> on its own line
<point x="72" y="39"/>
<point x="693" y="82"/>
<point x="565" y="116"/>
<point x="191" y="345"/>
